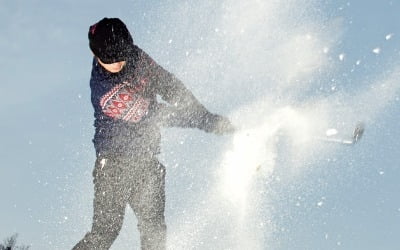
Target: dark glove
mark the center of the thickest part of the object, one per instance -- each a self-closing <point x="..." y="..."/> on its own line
<point x="219" y="125"/>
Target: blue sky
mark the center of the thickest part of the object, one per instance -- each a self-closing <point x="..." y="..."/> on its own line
<point x="307" y="64"/>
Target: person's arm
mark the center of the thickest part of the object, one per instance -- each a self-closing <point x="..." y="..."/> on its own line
<point x="184" y="110"/>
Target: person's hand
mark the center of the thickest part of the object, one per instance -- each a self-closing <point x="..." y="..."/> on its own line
<point x="220" y="125"/>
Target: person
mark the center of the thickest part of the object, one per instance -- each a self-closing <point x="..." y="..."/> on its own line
<point x="133" y="98"/>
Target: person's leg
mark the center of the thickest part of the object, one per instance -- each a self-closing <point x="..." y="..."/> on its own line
<point x="109" y="206"/>
<point x="148" y="203"/>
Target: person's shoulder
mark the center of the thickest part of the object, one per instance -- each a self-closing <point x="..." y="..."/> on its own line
<point x="143" y="58"/>
<point x="139" y="51"/>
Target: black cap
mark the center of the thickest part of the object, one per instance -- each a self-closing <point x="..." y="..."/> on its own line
<point x="110" y="40"/>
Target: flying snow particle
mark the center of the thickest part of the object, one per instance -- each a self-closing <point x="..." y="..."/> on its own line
<point x="321" y="202"/>
<point x="331" y="132"/>
<point x="358" y="62"/>
<point x="326" y="50"/>
<point x="389" y="36"/>
<point x="376" y="50"/>
<point x="341" y="57"/>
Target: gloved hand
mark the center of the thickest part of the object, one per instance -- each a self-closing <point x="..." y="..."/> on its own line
<point x="219" y="125"/>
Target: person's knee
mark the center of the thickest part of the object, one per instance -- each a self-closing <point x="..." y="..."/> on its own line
<point x="106" y="230"/>
<point x="152" y="225"/>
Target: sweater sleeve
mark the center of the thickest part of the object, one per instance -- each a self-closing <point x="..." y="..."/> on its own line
<point x="182" y="108"/>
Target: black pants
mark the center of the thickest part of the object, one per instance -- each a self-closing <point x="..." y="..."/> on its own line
<point x="118" y="182"/>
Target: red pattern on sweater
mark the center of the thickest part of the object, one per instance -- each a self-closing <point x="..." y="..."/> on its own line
<point x="125" y="101"/>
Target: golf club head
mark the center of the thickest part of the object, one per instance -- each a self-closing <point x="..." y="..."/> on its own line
<point x="358" y="132"/>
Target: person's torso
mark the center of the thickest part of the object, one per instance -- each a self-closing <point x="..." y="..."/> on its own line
<point x="124" y="105"/>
